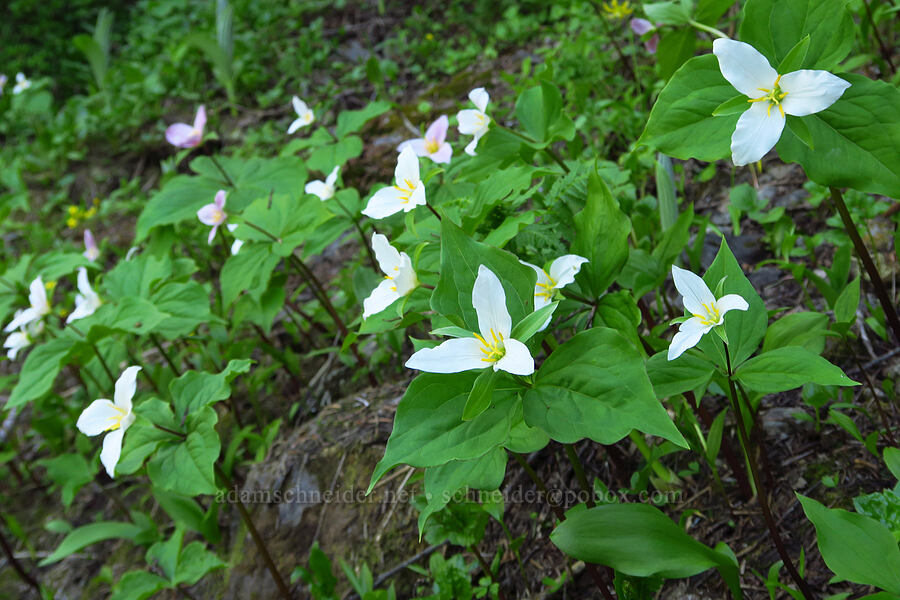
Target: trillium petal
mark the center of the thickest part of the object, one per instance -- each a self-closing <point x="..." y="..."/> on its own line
<point x="517" y="359"/>
<point x="443" y="155"/>
<point x="219" y="200"/>
<point x="489" y="301"/>
<point x="437" y="131"/>
<point x="99" y="416"/>
<point x="299" y="105"/>
<point x="452" y="356"/>
<point x="470" y="147"/>
<point x="417" y="145"/>
<point x="688" y="336"/>
<point x="810" y="91"/>
<point x="385" y="202"/>
<point x="744" y="67"/>
<point x="480" y="98"/>
<point x="542" y="276"/>
<point x="756" y="133"/>
<point x="641" y="26"/>
<point x="210" y="214"/>
<point x="84" y="286"/>
<point x="417" y="198"/>
<point x="731" y="302"/>
<point x="406" y="279"/>
<point x="295" y="125"/>
<point x="37" y="296"/>
<point x="15" y="342"/>
<point x="407" y="167"/>
<point x="181" y="135"/>
<point x="387" y="256"/>
<point x="112" y="450"/>
<point x="320" y="189"/>
<point x="332" y="177"/>
<point x="22" y="318"/>
<point x="470" y="121"/>
<point x="200" y="118"/>
<point x="693" y="290"/>
<point x="381" y="297"/>
<point x="125" y="387"/>
<point x="564" y="269"/>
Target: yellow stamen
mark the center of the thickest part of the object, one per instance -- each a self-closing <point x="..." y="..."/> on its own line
<point x="712" y="315"/>
<point x="116" y="419"/>
<point x="774" y="97"/>
<point x="431" y="146"/>
<point x="493" y="350"/>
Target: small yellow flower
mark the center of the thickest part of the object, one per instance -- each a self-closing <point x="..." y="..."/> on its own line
<point x="617" y="10"/>
<point x="429" y="36"/>
<point x="72" y="222"/>
<point x="73" y="210"/>
<point x="50" y="285"/>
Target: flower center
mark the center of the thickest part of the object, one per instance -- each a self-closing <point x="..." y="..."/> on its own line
<point x="712" y="315"/>
<point x="406" y="190"/>
<point x="391" y="277"/>
<point x="117" y="418"/>
<point x="547" y="289"/>
<point x="431" y="146"/>
<point x="218" y="215"/>
<point x="774" y="97"/>
<point x="494" y="349"/>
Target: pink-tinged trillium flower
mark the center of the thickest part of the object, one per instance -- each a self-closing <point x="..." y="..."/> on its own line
<point x="236" y="244"/>
<point x="305" y="115"/>
<point x="771" y="97"/>
<point x="702" y="304"/>
<point x="474" y="121"/>
<point x="3" y="81"/>
<point x="399" y="277"/>
<point x="213" y="214"/>
<point x="22" y="84"/>
<point x="562" y="272"/>
<point x="39" y="306"/>
<point x="408" y="193"/>
<point x="434" y="144"/>
<point x="323" y="189"/>
<point x="115" y="417"/>
<point x="183" y="135"/>
<point x="91" y="251"/>
<point x="23" y="338"/>
<point x="86" y="301"/>
<point x="493" y="347"/>
<point x="643" y="26"/>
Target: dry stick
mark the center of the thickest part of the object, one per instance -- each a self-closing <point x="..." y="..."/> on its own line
<point x="878" y="407"/>
<point x="599" y="579"/>
<point x="487" y="569"/>
<point x="260" y="544"/>
<point x="760" y="490"/>
<point x="890" y="312"/>
<point x="885" y="52"/>
<point x="23" y="574"/>
<point x="612" y="38"/>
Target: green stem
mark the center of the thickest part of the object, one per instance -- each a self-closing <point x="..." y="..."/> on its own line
<point x="362" y="234"/>
<point x="159" y="347"/>
<point x="885" y="52"/>
<point x="487" y="569"/>
<point x="661" y="471"/>
<point x="707" y="29"/>
<point x="760" y="489"/>
<point x="881" y="292"/>
<point x="222" y="171"/>
<point x="17" y="566"/>
<point x="578" y="466"/>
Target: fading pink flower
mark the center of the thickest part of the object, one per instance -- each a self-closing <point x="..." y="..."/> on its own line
<point x="434" y="144"/>
<point x="643" y="26"/>
<point x="213" y="214"/>
<point x="182" y="135"/>
<point x="91" y="251"/>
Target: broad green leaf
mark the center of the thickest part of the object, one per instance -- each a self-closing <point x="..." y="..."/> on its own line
<point x="788" y="368"/>
<point x="69" y="471"/>
<point x="194" y="562"/>
<point x="530" y="325"/>
<point x="138" y="585"/>
<point x="682" y="124"/>
<point x="846" y="304"/>
<point x="131" y="314"/>
<point x="676" y="47"/>
<point x="539" y="110"/>
<point x="186" y="467"/>
<point x="710" y="11"/>
<point x="41" y="368"/>
<point x="460" y="259"/>
<point x="351" y="121"/>
<point x="668" y="13"/>
<point x="178" y="200"/>
<point x="671" y="377"/>
<point x="637" y="539"/>
<point x="601" y="237"/>
<point x="736" y="105"/>
<point x="794" y="59"/>
<point x="249" y="270"/>
<point x="91" y="534"/>
<point x="141" y="441"/>
<point x="667" y="195"/>
<point x="595" y="386"/>
<point x="196" y="389"/>
<point x="187" y="306"/>
<point x="429" y="429"/>
<point x="892" y="460"/>
<point x="480" y="396"/>
<point x="775" y="26"/>
<point x="854" y="140"/>
<point x="855" y="547"/>
<point x="806" y="329"/>
<point x="325" y="158"/>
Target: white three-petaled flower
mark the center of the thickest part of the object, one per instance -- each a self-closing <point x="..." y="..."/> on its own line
<point x="23" y="338"/>
<point x="493" y="347"/>
<point x="182" y="135"/>
<point x="91" y="251"/>
<point x="562" y="272"/>
<point x="434" y="144"/>
<point x="305" y="116"/>
<point x="702" y="304"/>
<point x="472" y="121"/>
<point x="408" y="192"/>
<point x="22" y="83"/>
<point x="772" y="96"/>
<point x="399" y="277"/>
<point x="39" y="306"/>
<point x="87" y="301"/>
<point x="213" y="214"/>
<point x="236" y="244"/>
<point x="114" y="417"/>
<point x="323" y="189"/>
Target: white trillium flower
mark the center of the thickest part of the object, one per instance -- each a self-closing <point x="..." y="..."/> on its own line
<point x="305" y="116"/>
<point x="87" y="301"/>
<point x="702" y="304"/>
<point x="91" y="251"/>
<point x="114" y="417"/>
<point x="182" y="135"/>
<point x="408" y="193"/>
<point x="493" y="347"/>
<point x="772" y="96"/>
<point x="213" y="214"/>
<point x="472" y="121"/>
<point x="434" y="144"/>
<point x="399" y="277"/>
<point x="22" y="83"/>
<point x="22" y="338"/>
<point x="236" y="244"/>
<point x="323" y="189"/>
<point x="40" y="306"/>
<point x="562" y="272"/>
